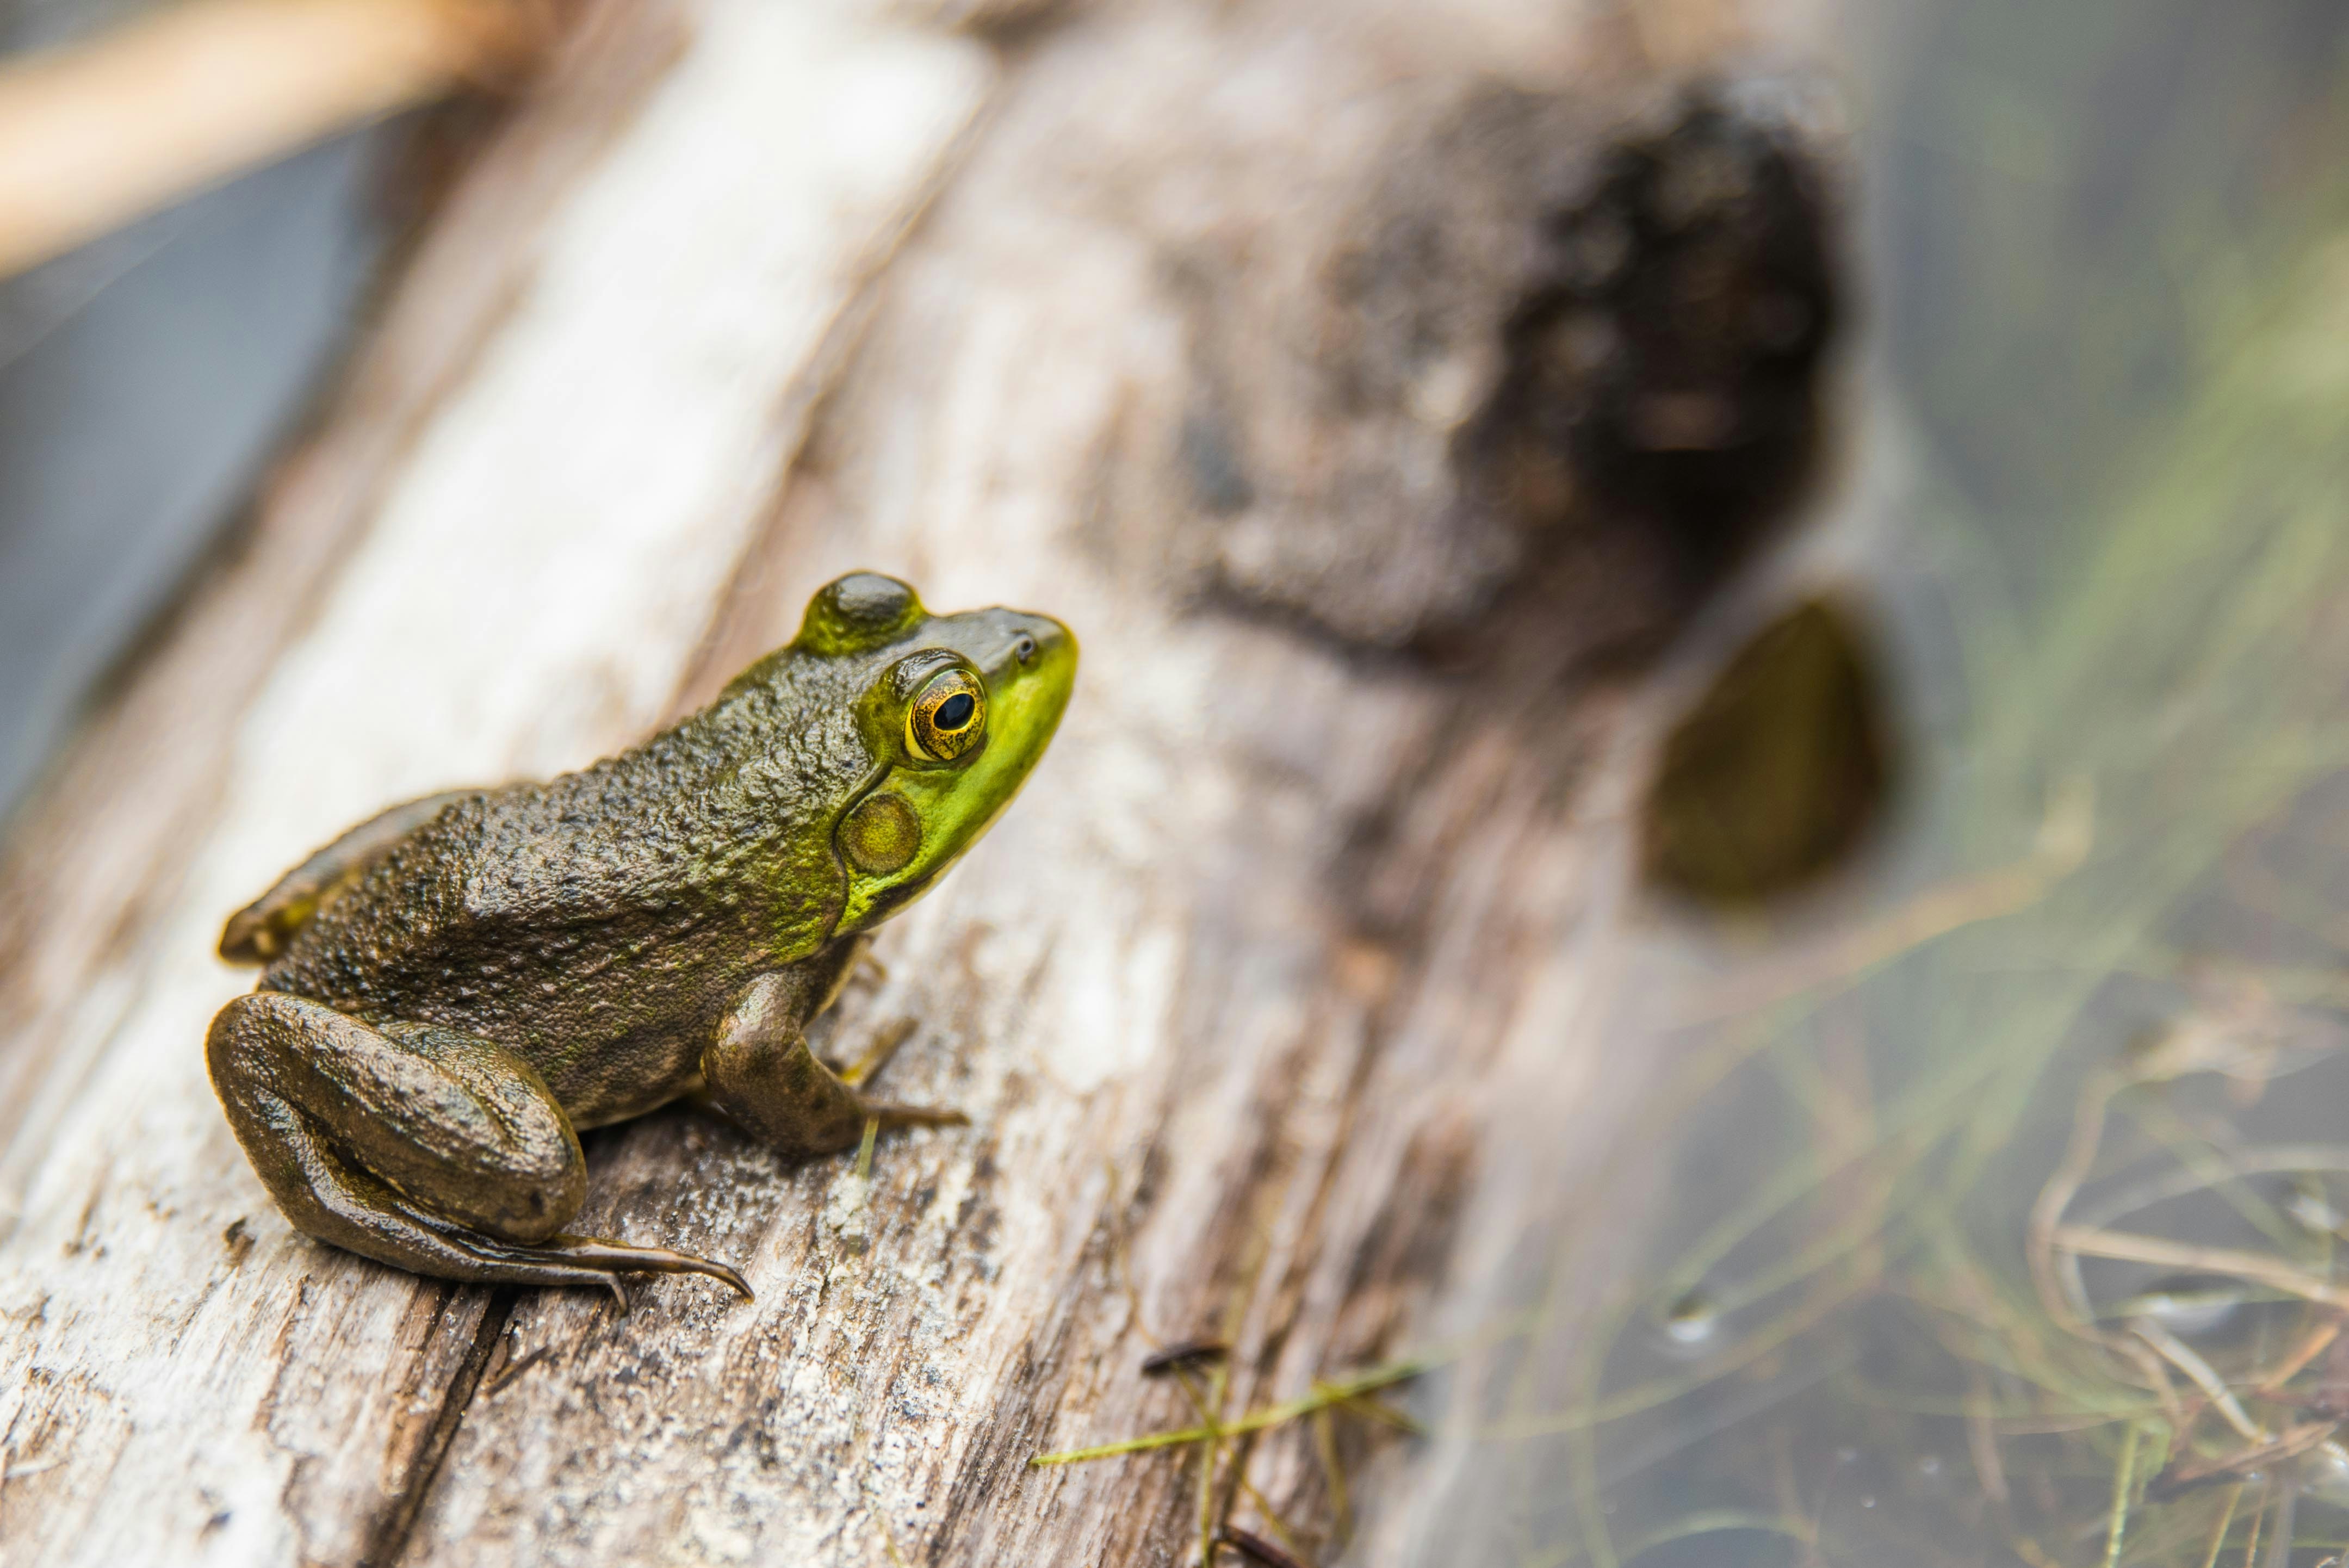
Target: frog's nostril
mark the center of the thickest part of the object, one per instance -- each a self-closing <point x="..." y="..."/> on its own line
<point x="1024" y="649"/>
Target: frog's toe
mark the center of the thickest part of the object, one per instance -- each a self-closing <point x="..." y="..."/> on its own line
<point x="574" y="1253"/>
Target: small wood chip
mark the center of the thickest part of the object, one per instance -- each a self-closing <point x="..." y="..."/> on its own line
<point x="1256" y="1548"/>
<point x="1187" y="1353"/>
<point x="512" y="1370"/>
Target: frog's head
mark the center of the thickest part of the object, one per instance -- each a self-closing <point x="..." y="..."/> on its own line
<point x="955" y="711"/>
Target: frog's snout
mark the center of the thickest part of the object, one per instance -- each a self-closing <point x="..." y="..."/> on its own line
<point x="1041" y="640"/>
<point x="1029" y="665"/>
<point x="1038" y="652"/>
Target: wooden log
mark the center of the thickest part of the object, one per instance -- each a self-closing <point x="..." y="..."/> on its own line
<point x="1231" y="996"/>
<point x="95" y="134"/>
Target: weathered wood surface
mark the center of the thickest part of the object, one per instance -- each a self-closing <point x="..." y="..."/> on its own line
<point x="1234" y="995"/>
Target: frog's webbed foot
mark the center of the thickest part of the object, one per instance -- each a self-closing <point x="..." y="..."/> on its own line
<point x="876" y="1055"/>
<point x="890" y="1112"/>
<point x="418" y="1147"/>
<point x="351" y="1210"/>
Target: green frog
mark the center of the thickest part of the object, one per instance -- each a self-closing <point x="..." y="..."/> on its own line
<point x="453" y="990"/>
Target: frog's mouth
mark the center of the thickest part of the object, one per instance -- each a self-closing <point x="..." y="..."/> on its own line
<point x="903" y="832"/>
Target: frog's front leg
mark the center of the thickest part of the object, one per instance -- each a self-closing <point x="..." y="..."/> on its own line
<point x="417" y="1146"/>
<point x="760" y="1071"/>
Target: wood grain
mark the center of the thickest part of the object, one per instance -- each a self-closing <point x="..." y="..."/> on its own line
<point x="1235" y="995"/>
<point x="208" y="1380"/>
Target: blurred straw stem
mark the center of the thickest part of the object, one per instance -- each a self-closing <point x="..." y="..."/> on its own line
<point x="98" y="133"/>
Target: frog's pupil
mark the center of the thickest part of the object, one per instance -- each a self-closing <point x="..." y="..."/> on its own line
<point x="955" y="712"/>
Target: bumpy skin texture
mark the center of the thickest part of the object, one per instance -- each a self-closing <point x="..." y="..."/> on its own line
<point x="460" y="985"/>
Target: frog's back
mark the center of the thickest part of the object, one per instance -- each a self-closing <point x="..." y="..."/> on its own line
<point x="598" y="923"/>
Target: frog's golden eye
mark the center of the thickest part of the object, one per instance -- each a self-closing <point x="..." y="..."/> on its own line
<point x="949" y="717"/>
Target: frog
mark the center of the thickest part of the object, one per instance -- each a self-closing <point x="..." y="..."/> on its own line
<point x="455" y="989"/>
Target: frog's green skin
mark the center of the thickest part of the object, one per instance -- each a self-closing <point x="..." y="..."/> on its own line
<point x="455" y="989"/>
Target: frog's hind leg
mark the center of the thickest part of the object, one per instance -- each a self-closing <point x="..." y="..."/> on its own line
<point x="419" y="1147"/>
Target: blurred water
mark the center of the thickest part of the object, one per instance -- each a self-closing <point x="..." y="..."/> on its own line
<point x="1796" y="1311"/>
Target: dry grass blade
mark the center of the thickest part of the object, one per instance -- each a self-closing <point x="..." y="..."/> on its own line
<point x="2065" y="841"/>
<point x="2124" y="1479"/>
<point x="2129" y="1247"/>
<point x="1322" y="1398"/>
<point x="2179" y="1354"/>
<point x="2319" y="1340"/>
<point x="2182" y="1475"/>
<point x="2219" y="1530"/>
